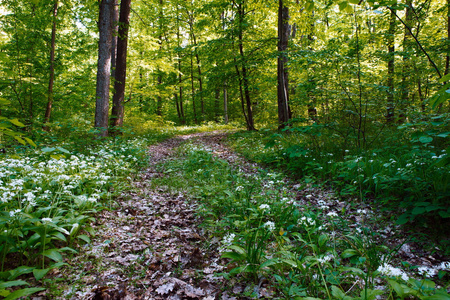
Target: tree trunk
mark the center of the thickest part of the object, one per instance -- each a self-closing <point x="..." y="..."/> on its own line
<point x="447" y="58"/>
<point x="48" y="110"/>
<point x="245" y="81"/>
<point x="193" y="92"/>
<point x="121" y="64"/>
<point x="159" y="77"/>
<point x="390" y="109"/>
<point x="217" y="105"/>
<point x="283" y="83"/>
<point x="104" y="66"/>
<point x="225" y="103"/>
<point x="114" y="39"/>
<point x="403" y="105"/>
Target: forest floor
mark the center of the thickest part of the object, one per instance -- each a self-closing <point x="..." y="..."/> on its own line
<point x="150" y="244"/>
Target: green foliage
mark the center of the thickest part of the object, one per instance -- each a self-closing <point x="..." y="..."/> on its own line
<point x="266" y="236"/>
<point x="49" y="197"/>
<point x="410" y="175"/>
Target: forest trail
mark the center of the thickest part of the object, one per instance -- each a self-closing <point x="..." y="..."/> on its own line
<point x="150" y="245"/>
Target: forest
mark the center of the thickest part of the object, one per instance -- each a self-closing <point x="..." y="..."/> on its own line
<point x="224" y="149"/>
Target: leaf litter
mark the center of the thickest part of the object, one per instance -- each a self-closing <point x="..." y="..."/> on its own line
<point x="150" y="245"/>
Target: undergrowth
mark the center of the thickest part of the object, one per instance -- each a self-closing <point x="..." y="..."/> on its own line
<point x="407" y="173"/>
<point x="302" y="252"/>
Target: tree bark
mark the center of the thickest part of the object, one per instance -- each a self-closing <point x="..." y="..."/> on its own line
<point x="48" y="110"/>
<point x="403" y="105"/>
<point x="117" y="112"/>
<point x="447" y="58"/>
<point x="245" y="81"/>
<point x="390" y="109"/>
<point x="193" y="92"/>
<point x="282" y="73"/>
<point x="114" y="39"/>
<point x="225" y="103"/>
<point x="104" y="66"/>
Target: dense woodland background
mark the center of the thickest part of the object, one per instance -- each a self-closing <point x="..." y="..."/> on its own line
<point x="353" y="94"/>
<point x="342" y="77"/>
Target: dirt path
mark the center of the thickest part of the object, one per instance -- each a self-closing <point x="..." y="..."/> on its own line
<point x="150" y="245"/>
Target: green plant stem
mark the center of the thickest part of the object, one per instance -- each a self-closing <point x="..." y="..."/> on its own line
<point x="320" y="268"/>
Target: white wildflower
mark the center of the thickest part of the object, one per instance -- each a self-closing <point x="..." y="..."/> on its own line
<point x="332" y="214"/>
<point x="264" y="207"/>
<point x="389" y="270"/>
<point x="47" y="220"/>
<point x="228" y="239"/>
<point x="270" y="225"/>
<point x="14" y="212"/>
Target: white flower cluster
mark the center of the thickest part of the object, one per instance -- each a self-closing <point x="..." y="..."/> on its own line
<point x="270" y="225"/>
<point x="433" y="271"/>
<point x="388" y="270"/>
<point x="264" y="207"/>
<point x="307" y="221"/>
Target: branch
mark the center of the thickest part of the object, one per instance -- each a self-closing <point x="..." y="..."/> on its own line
<point x="417" y="41"/>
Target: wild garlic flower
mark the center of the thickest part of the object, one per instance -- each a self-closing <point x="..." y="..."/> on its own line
<point x="388" y="270"/>
<point x="332" y="214"/>
<point x="47" y="220"/>
<point x="228" y="239"/>
<point x="14" y="212"/>
<point x="264" y="207"/>
<point x="270" y="225"/>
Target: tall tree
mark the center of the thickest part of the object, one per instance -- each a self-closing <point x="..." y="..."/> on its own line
<point x="121" y="64"/>
<point x="390" y="109"/>
<point x="243" y="75"/>
<point x="284" y="113"/>
<point x="105" y="23"/>
<point x="51" y="80"/>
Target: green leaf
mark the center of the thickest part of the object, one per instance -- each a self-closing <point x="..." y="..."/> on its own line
<point x="354" y="1"/>
<point x="85" y="238"/>
<point x="425" y="139"/>
<point x="269" y="262"/>
<point x="322" y="240"/>
<point x="39" y="273"/>
<point x="17" y="123"/>
<point x="403" y="219"/>
<point x="444" y="78"/>
<point x="290" y="262"/>
<point x="63" y="150"/>
<point x="437" y="297"/>
<point x="23" y="292"/>
<point x="53" y="254"/>
<point x="398" y="288"/>
<point x="20" y="271"/>
<point x="349" y="253"/>
<point x="237" y="249"/>
<point x="418" y="210"/>
<point x="48" y="149"/>
<point x="30" y="141"/>
<point x="343" y="5"/>
<point x="233" y="255"/>
<point x="20" y="140"/>
<point x="12" y="283"/>
<point x="338" y="293"/>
